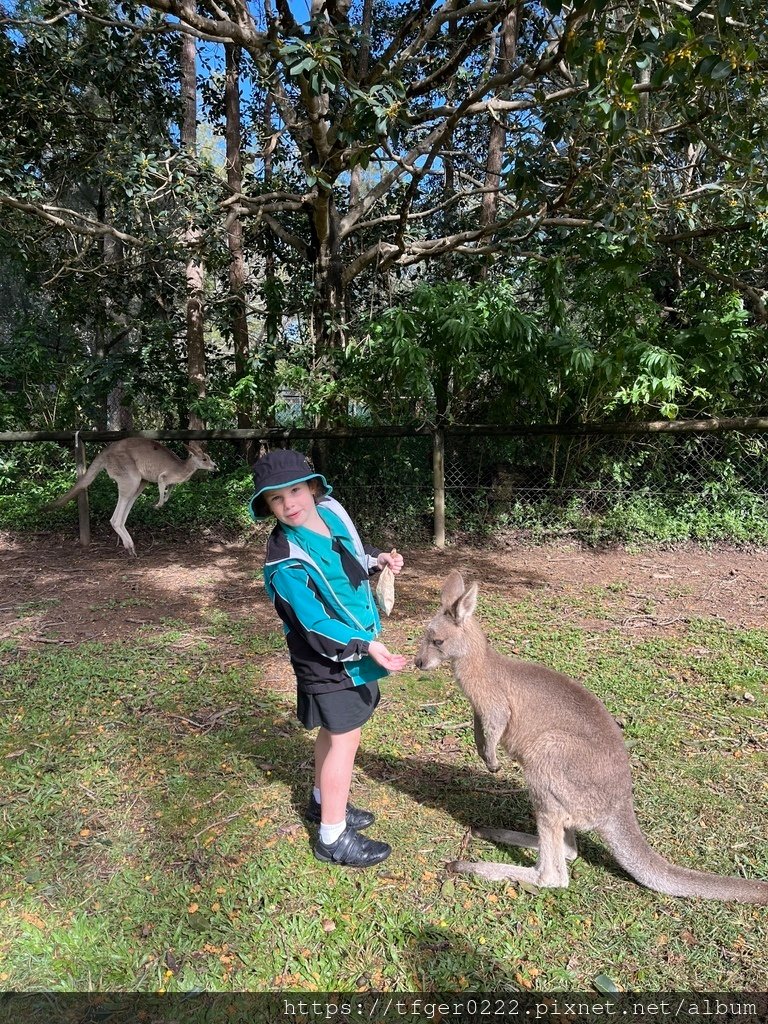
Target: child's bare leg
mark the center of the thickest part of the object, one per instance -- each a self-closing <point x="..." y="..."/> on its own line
<point x="334" y="761"/>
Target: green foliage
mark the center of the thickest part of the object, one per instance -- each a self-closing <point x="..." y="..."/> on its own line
<point x="92" y="133"/>
<point x="619" y="275"/>
<point x="588" y="343"/>
<point x="453" y="351"/>
<point x="621" y="351"/>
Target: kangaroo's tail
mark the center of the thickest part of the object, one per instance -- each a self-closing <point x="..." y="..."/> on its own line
<point x="85" y="481"/>
<point x="628" y="845"/>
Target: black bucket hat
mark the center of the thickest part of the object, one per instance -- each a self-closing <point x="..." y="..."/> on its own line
<point x="278" y="469"/>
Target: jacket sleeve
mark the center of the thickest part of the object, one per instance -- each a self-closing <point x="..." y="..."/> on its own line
<point x="373" y="555"/>
<point x="299" y="606"/>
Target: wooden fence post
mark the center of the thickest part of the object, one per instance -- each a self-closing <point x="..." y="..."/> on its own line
<point x="83" y="511"/>
<point x="438" y="485"/>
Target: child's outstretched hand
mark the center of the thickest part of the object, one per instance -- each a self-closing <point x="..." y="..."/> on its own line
<point x="391" y="558"/>
<point x="387" y="660"/>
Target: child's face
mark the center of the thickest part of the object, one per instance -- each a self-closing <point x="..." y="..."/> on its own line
<point x="294" y="505"/>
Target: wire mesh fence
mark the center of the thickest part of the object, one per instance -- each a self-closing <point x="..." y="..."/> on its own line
<point x="595" y="485"/>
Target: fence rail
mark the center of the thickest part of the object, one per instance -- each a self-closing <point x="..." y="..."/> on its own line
<point x="711" y="425"/>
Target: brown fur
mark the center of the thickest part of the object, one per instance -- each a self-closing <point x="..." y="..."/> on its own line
<point x="572" y="754"/>
<point x="133" y="463"/>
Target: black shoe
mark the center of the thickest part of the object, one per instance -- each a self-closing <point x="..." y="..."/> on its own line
<point x="355" y="817"/>
<point x="353" y="850"/>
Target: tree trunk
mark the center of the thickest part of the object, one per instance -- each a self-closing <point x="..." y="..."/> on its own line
<point x="266" y="387"/>
<point x="119" y="412"/>
<point x="116" y="407"/>
<point x="498" y="139"/>
<point x="237" y="266"/>
<point x="328" y="314"/>
<point x="328" y="300"/>
<point x="362" y="70"/>
<point x="195" y="269"/>
<point x="328" y="305"/>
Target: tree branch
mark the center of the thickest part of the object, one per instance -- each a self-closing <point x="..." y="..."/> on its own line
<point x="708" y="232"/>
<point x="283" y="233"/>
<point x="480" y="30"/>
<point x="241" y="32"/>
<point x="79" y="223"/>
<point x="757" y="299"/>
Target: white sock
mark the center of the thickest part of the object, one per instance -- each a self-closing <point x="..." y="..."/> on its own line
<point x="330" y="833"/>
<point x="316" y="795"/>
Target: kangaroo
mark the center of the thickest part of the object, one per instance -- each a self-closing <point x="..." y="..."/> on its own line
<point x="133" y="463"/>
<point x="573" y="758"/>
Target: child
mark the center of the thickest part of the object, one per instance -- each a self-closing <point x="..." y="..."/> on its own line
<point x="316" y="573"/>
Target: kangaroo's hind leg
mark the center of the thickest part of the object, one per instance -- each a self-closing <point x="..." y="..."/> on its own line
<point x="551" y="870"/>
<point x="551" y="866"/>
<point x="526" y="840"/>
<point x="128" y="490"/>
<point x="494" y="872"/>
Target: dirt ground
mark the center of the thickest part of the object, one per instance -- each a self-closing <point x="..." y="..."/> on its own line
<point x="54" y="591"/>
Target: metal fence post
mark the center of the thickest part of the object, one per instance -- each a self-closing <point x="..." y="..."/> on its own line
<point x="438" y="485"/>
<point x="83" y="511"/>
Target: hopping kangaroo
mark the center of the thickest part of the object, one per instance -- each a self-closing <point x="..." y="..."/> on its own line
<point x="572" y="754"/>
<point x="133" y="463"/>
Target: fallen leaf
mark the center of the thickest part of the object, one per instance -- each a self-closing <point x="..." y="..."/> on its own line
<point x="33" y="919"/>
<point x="605" y="984"/>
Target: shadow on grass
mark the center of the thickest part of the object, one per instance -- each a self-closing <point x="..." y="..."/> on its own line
<point x="441" y="961"/>
<point x="465" y="793"/>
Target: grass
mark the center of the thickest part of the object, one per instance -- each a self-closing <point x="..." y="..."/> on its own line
<point x="151" y="837"/>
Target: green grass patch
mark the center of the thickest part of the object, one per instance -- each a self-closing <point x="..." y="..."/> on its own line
<point x="737" y="517"/>
<point x="151" y="836"/>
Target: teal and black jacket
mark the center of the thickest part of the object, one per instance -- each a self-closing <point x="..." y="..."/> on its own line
<point x="321" y="590"/>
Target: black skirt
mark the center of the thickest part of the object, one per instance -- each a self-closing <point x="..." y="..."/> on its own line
<point x="340" y="710"/>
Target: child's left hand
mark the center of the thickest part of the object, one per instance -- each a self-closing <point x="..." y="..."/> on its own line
<point x="384" y="657"/>
<point x="391" y="558"/>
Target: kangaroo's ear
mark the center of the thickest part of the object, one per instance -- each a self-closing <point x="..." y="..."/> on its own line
<point x="452" y="590"/>
<point x="465" y="605"/>
<point x="193" y="446"/>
